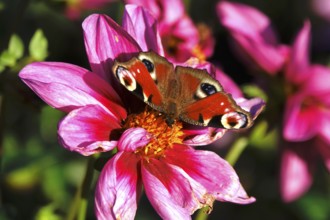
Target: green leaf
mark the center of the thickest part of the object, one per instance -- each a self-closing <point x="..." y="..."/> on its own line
<point x="23" y="178"/>
<point x="263" y="137"/>
<point x="254" y="91"/>
<point x="48" y="212"/>
<point x="16" y="46"/>
<point x="38" y="47"/>
<point x="7" y="59"/>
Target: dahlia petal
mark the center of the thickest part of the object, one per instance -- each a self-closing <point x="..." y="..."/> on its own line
<point x="143" y="28"/>
<point x="296" y="177"/>
<point x="115" y="43"/>
<point x="316" y="83"/>
<point x="324" y="128"/>
<point x="167" y="191"/>
<point x="204" y="136"/>
<point x="217" y="176"/>
<point x="254" y="106"/>
<point x="299" y="124"/>
<point x="252" y="31"/>
<point x="299" y="58"/>
<point x="67" y="87"/>
<point x="162" y="10"/>
<point x="185" y="30"/>
<point x="133" y="138"/>
<point x="118" y="188"/>
<point x="87" y="130"/>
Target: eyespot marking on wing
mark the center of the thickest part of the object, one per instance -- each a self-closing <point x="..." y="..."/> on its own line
<point x="126" y="78"/>
<point x="207" y="87"/>
<point x="149" y="64"/>
<point x="234" y="120"/>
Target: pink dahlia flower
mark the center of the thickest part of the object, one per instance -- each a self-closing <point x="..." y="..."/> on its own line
<point x="181" y="38"/>
<point x="176" y="178"/>
<point x="307" y="109"/>
<point x="307" y="117"/>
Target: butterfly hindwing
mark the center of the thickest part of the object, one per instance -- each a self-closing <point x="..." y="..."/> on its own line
<point x="209" y="105"/>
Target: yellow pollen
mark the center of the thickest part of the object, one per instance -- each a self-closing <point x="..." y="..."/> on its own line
<point x="163" y="135"/>
<point x="197" y="52"/>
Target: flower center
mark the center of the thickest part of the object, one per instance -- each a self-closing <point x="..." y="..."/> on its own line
<point x="164" y="136"/>
<point x="171" y="44"/>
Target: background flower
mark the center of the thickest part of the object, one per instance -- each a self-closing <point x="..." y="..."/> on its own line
<point x="304" y="92"/>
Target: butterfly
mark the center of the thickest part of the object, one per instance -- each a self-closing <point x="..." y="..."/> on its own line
<point x="179" y="92"/>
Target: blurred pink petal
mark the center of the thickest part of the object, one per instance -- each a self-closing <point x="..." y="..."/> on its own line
<point x="118" y="189"/>
<point x="162" y="10"/>
<point x="299" y="124"/>
<point x="296" y="69"/>
<point x="322" y="8"/>
<point x="310" y="100"/>
<point x="296" y="177"/>
<point x="180" y="39"/>
<point x="252" y="31"/>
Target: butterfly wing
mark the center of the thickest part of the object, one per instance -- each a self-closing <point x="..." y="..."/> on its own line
<point x="207" y="104"/>
<point x="184" y="92"/>
<point x="146" y="76"/>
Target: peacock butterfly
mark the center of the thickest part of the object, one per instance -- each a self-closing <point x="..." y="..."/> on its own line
<point x="185" y="93"/>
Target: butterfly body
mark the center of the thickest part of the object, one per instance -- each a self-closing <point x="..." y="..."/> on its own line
<point x="184" y="93"/>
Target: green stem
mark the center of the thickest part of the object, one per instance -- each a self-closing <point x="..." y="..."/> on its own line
<point x="80" y="202"/>
<point x="202" y="214"/>
<point x="236" y="150"/>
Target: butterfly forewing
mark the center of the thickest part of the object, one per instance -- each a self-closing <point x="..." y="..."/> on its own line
<point x="135" y="77"/>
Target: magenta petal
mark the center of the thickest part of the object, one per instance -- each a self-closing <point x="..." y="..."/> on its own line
<point x="324" y="129"/>
<point x="167" y="190"/>
<point x="87" y="130"/>
<point x="296" y="70"/>
<point x="67" y="87"/>
<point x="255" y="106"/>
<point x="316" y="84"/>
<point x="162" y="10"/>
<point x="299" y="124"/>
<point x="252" y="31"/>
<point x="143" y="28"/>
<point x="106" y="41"/>
<point x="296" y="177"/>
<point x="202" y="137"/>
<point x="118" y="188"/>
<point x="133" y="138"/>
<point x="212" y="172"/>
